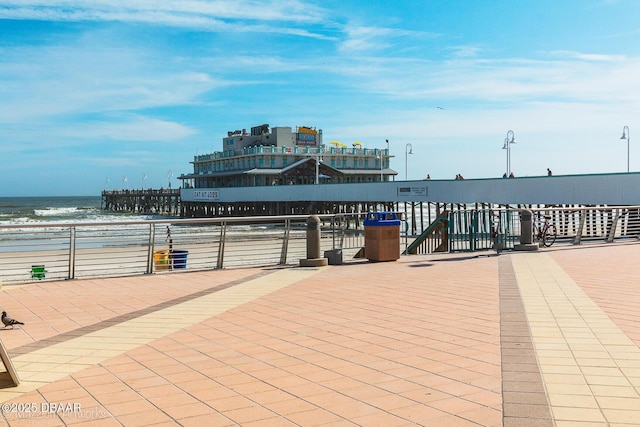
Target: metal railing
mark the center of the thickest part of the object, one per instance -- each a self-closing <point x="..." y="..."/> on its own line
<point x="469" y="230"/>
<point x="57" y="251"/>
<point x="474" y="230"/>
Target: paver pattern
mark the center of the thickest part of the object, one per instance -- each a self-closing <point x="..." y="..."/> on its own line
<point x="426" y="340"/>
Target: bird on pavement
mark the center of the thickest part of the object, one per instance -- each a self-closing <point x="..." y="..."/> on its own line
<point x="8" y="321"/>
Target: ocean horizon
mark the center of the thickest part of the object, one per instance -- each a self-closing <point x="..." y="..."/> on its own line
<point x="51" y="209"/>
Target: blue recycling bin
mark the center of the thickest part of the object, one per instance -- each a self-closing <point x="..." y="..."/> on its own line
<point x="382" y="236"/>
<point x="179" y="258"/>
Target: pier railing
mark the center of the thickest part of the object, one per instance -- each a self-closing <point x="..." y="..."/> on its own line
<point x="58" y="251"/>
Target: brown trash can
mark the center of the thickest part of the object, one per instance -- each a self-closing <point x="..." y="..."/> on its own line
<point x="382" y="236"/>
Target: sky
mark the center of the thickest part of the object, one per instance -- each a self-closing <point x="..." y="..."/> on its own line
<point x="110" y="94"/>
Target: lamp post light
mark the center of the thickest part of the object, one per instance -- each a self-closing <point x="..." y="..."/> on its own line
<point x="408" y="149"/>
<point x="144" y="177"/>
<point x="627" y="136"/>
<point x="382" y="158"/>
<point x="169" y="175"/>
<point x="318" y="159"/>
<point x="507" y="146"/>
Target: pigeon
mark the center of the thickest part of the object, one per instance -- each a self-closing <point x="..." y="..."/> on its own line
<point x="8" y="321"/>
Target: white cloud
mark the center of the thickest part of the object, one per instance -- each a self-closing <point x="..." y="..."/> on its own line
<point x="488" y="80"/>
<point x="134" y="129"/>
<point x="366" y="38"/>
<point x="201" y="15"/>
<point x="568" y="54"/>
<point x="466" y="51"/>
<point x="54" y="81"/>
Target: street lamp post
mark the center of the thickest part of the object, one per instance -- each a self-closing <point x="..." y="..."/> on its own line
<point x="317" y="170"/>
<point x="507" y="146"/>
<point x="380" y="157"/>
<point x="408" y="149"/>
<point x="627" y="136"/>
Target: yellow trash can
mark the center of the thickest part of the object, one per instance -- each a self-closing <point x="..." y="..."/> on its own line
<point x="161" y="260"/>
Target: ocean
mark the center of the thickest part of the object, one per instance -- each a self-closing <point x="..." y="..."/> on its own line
<point x="73" y="236"/>
<point x="34" y="210"/>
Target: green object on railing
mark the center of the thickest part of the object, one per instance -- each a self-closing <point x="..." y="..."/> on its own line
<point x="38" y="272"/>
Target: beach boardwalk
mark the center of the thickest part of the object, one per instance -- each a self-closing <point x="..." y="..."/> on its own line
<point x="426" y="340"/>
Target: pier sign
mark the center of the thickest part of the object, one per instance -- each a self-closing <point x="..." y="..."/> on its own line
<point x="413" y="191"/>
<point x="206" y="195"/>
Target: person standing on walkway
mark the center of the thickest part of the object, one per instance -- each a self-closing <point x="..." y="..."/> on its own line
<point x="549" y="173"/>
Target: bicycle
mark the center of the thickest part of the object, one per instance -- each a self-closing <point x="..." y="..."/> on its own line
<point x="545" y="232"/>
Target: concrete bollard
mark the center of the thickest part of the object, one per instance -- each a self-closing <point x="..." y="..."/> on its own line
<point x="526" y="232"/>
<point x="313" y="244"/>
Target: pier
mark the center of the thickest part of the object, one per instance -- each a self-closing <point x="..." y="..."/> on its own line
<point x="191" y="209"/>
<point x="158" y="202"/>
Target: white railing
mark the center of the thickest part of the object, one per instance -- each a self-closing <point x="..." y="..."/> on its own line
<point x="599" y="223"/>
<point x="473" y="229"/>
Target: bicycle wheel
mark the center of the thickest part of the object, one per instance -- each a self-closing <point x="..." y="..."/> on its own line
<point x="550" y="235"/>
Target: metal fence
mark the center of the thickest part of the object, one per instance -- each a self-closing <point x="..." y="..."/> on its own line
<point x="469" y="230"/>
<point x="81" y="250"/>
<point x="475" y="230"/>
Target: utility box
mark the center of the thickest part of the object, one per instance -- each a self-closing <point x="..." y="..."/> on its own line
<point x="382" y="236"/>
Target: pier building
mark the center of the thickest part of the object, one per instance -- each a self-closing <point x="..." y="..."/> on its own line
<point x="284" y="156"/>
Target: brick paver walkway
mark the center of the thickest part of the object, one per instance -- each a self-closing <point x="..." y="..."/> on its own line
<point x="519" y="339"/>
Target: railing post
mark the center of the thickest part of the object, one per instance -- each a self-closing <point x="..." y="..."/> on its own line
<point x="72" y="253"/>
<point x="583" y="219"/>
<point x="152" y="240"/>
<point x="223" y="236"/>
<point x="473" y="232"/>
<point x="614" y="225"/>
<point x="285" y="242"/>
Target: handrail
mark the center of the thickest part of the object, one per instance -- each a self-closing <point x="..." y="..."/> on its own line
<point x="442" y="221"/>
<point x="70" y="250"/>
<point x="73" y="250"/>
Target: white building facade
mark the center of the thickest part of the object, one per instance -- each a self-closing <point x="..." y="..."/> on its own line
<point x="283" y="156"/>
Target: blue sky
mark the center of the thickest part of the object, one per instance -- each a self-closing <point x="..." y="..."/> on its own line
<point x="92" y="91"/>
